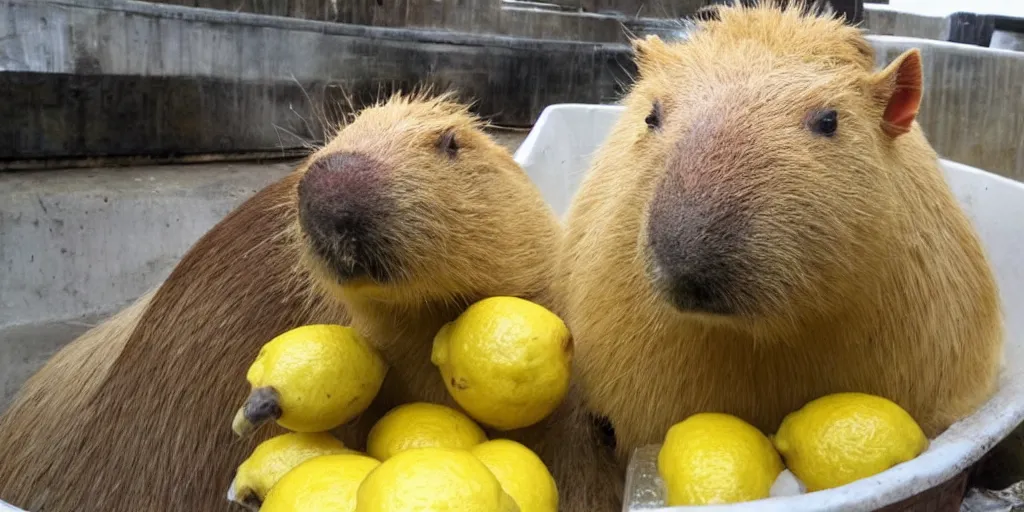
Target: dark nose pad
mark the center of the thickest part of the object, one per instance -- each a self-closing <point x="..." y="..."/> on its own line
<point x="694" y="253"/>
<point x="343" y="210"/>
<point x="702" y="290"/>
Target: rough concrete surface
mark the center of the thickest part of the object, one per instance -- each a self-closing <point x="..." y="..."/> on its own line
<point x="80" y="242"/>
<point x="24" y="349"/>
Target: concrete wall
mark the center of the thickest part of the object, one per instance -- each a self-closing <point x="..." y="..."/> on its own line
<point x="85" y="241"/>
<point x="74" y="74"/>
<point x="972" y="105"/>
<point x="188" y="82"/>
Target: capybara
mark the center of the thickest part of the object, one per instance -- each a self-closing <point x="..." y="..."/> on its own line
<point x="407" y="215"/>
<point x="767" y="224"/>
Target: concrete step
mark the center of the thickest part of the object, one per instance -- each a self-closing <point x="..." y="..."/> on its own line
<point x="103" y="78"/>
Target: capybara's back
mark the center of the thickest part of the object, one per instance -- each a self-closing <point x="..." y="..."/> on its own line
<point x="767" y="224"/>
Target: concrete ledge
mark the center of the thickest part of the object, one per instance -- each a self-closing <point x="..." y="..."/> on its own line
<point x="82" y="242"/>
<point x="99" y="78"/>
<point x="24" y="349"/>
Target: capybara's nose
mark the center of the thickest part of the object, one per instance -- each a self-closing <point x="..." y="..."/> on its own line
<point x="694" y="255"/>
<point x="699" y="291"/>
<point x="343" y="211"/>
<point x="341" y="190"/>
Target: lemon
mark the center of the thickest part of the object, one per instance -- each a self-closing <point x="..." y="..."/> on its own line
<point x="505" y="361"/>
<point x="713" y="458"/>
<point x="272" y="458"/>
<point x="433" y="479"/>
<point x="521" y="473"/>
<point x="311" y="379"/>
<point x="843" y="437"/>
<point x="321" y="484"/>
<point x="421" y="425"/>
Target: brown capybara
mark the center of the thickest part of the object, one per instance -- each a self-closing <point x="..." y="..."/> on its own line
<point x="766" y="224"/>
<point x="408" y="215"/>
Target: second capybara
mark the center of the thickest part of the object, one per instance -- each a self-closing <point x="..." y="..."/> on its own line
<point x="404" y="266"/>
<point x="410" y="213"/>
<point x="767" y="224"/>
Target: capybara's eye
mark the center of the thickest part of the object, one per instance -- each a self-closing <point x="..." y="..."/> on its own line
<point x="824" y="122"/>
<point x="448" y="145"/>
<point x="653" y="119"/>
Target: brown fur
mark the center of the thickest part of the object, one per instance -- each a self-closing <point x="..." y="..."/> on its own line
<point x="136" y="414"/>
<point x="852" y="267"/>
<point x="508" y="249"/>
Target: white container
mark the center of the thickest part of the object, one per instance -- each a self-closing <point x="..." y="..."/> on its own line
<point x="556" y="155"/>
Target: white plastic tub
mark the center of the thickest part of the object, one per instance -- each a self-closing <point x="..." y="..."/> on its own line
<point x="556" y="155"/>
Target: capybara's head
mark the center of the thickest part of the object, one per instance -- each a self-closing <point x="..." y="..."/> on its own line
<point x="413" y="201"/>
<point x="768" y="144"/>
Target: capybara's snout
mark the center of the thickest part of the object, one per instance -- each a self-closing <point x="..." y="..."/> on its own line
<point x="344" y="211"/>
<point x="696" y="233"/>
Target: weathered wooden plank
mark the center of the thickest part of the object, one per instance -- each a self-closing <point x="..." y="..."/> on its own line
<point x="425" y="13"/>
<point x="573" y="26"/>
<point x="566" y="4"/>
<point x="479" y="16"/>
<point x="310" y="9"/>
<point x="851" y="10"/>
<point x="648" y="8"/>
<point x="389" y="14"/>
<point x="321" y="10"/>
<point x="359" y="12"/>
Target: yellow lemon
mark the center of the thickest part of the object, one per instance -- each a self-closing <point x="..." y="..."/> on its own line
<point x="433" y="479"/>
<point x="505" y="361"/>
<point x="843" y="437"/>
<point x="713" y="458"/>
<point x="327" y="483"/>
<point x="311" y="379"/>
<point x="521" y="473"/>
<point x="272" y="458"/>
<point x="421" y="425"/>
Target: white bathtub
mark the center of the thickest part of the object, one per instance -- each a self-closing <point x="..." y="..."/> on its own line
<point x="557" y="153"/>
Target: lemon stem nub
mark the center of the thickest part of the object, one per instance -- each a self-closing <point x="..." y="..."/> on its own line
<point x="252" y="502"/>
<point x="262" y="406"/>
<point x="249" y="501"/>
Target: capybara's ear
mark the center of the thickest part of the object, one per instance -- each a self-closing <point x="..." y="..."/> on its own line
<point x="647" y="51"/>
<point x="899" y="87"/>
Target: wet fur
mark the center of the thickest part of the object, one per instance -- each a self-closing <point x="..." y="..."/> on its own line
<point x="136" y="413"/>
<point x="893" y="294"/>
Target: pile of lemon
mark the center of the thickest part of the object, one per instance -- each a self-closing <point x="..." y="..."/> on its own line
<point x="506" y="363"/>
<point x="713" y="458"/>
